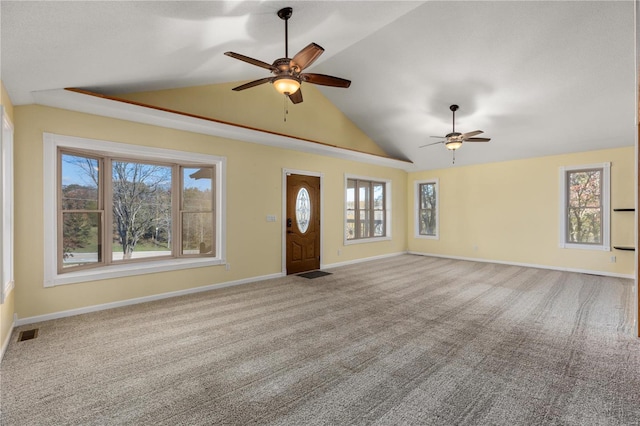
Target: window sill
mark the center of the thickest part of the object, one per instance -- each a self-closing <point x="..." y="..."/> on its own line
<point x="427" y="237"/>
<point x="366" y="240"/>
<point x="585" y="247"/>
<point x="131" y="269"/>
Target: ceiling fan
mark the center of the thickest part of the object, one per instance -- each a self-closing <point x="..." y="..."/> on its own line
<point x="455" y="139"/>
<point x="287" y="72"/>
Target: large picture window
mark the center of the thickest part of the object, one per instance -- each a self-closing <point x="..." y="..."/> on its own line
<point x="427" y="206"/>
<point x="585" y="206"/>
<point x="130" y="210"/>
<point x="366" y="209"/>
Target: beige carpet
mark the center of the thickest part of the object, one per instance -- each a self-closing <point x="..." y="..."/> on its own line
<point x="406" y="340"/>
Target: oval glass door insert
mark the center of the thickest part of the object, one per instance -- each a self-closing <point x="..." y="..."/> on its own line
<point x="303" y="210"/>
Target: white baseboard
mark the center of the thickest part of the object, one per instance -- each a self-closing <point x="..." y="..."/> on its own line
<point x="356" y="261"/>
<point x="527" y="265"/>
<point x="104" y="306"/>
<point x="5" y="344"/>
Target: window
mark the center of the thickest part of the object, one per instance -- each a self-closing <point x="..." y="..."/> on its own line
<point x="81" y="212"/>
<point x="6" y="199"/>
<point x="427" y="209"/>
<point x="585" y="206"/>
<point x="366" y="209"/>
<point x="125" y="210"/>
<point x="196" y="212"/>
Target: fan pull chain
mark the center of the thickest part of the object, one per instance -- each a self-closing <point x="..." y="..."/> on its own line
<point x="285" y="107"/>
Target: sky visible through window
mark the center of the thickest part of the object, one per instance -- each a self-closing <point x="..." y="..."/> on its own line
<point x="73" y="174"/>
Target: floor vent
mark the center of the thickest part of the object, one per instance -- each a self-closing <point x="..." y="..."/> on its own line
<point x="28" y="335"/>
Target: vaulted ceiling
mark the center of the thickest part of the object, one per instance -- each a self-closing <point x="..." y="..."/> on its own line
<point x="538" y="77"/>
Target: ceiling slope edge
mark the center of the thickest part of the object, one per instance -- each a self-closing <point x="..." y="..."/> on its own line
<point x="113" y="107"/>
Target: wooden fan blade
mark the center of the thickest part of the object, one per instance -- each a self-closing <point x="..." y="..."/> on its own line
<point x="429" y="144"/>
<point x="477" y="140"/>
<point x="296" y="97"/>
<point x="306" y="56"/>
<point x="251" y="61"/>
<point x="253" y="84"/>
<point x="466" y="136"/>
<point x="325" y="80"/>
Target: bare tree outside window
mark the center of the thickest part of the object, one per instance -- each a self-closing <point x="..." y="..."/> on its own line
<point x="584" y="206"/>
<point x="81" y="211"/>
<point x="427" y="210"/>
<point x="379" y="223"/>
<point x="116" y="209"/>
<point x="197" y="211"/>
<point x="141" y="200"/>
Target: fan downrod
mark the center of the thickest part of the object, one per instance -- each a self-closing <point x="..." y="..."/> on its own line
<point x="453" y="109"/>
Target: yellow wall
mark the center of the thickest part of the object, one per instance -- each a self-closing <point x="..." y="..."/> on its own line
<point x="6" y="309"/>
<point x="254" y="190"/>
<point x="504" y="212"/>
<point x="509" y="212"/>
<point x="261" y="107"/>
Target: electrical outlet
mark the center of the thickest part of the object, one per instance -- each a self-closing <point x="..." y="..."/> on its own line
<point x="227" y="266"/>
<point x="339" y="252"/>
<point x="613" y="259"/>
<point x="271" y="218"/>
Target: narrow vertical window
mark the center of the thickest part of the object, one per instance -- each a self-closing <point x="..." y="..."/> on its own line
<point x="378" y="207"/>
<point x="427" y="208"/>
<point x="82" y="213"/>
<point x="350" y="227"/>
<point x="197" y="213"/>
<point x="585" y="204"/>
<point x="364" y="210"/>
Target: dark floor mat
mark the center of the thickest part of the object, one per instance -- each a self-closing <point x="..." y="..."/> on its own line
<point x="314" y="274"/>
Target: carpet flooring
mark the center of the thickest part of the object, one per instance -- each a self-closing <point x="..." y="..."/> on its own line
<point x="408" y="340"/>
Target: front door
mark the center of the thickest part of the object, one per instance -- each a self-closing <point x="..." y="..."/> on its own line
<point x="303" y="223"/>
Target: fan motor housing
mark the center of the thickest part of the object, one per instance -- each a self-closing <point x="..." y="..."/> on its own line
<point x="285" y="13"/>
<point x="283" y="64"/>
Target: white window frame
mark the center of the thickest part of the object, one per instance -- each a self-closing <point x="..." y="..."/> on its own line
<point x="387" y="209"/>
<point x="416" y="209"/>
<point x="6" y="199"/>
<point x="606" y="207"/>
<point x="52" y="142"/>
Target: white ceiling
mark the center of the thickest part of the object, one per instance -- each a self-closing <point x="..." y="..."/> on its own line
<point x="540" y="78"/>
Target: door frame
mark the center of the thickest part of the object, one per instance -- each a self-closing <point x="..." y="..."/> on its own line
<point x="283" y="214"/>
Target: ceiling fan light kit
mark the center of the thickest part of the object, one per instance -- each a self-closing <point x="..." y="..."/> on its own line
<point x="287" y="72"/>
<point x="286" y="85"/>
<point x="453" y="145"/>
